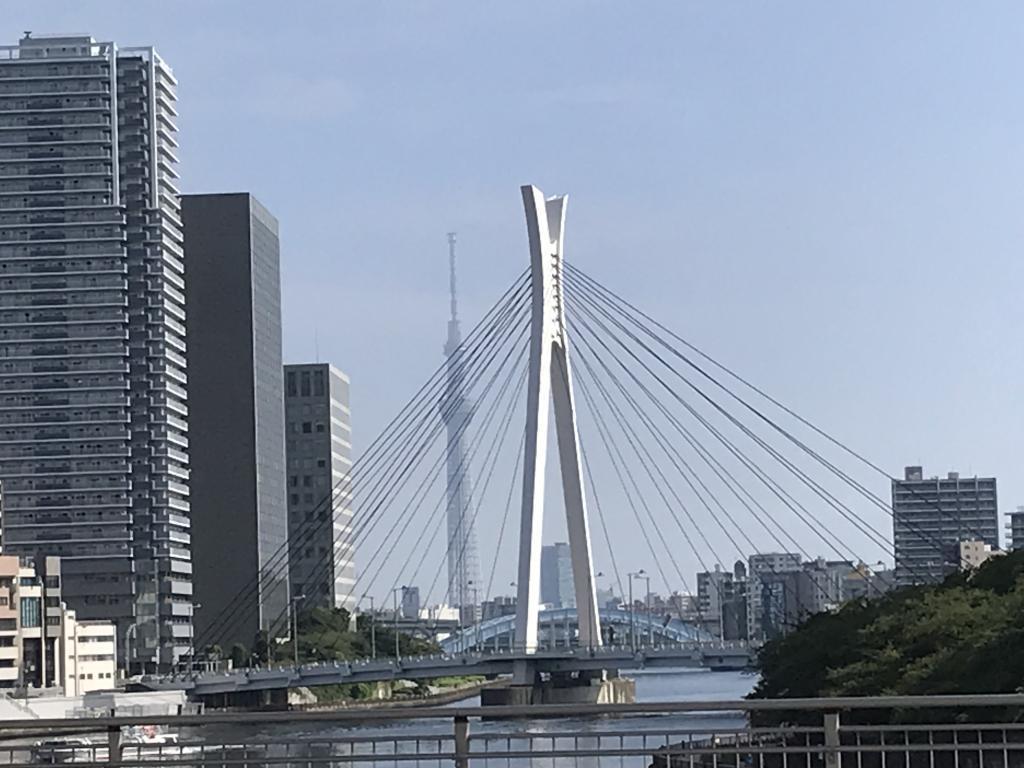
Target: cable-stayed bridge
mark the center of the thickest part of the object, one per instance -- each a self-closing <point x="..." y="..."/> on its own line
<point x="666" y="449"/>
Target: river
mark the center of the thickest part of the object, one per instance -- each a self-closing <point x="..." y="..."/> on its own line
<point x="651" y="686"/>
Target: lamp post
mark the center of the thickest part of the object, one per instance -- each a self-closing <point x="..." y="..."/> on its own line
<point x="511" y="639"/>
<point x="632" y="608"/>
<point x="373" y="631"/>
<point x="295" y="627"/>
<point x="647" y="602"/>
<point x="394" y="594"/>
<point x="475" y="611"/>
<point x="192" y="636"/>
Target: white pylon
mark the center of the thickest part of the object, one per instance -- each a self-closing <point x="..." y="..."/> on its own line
<point x="550" y="377"/>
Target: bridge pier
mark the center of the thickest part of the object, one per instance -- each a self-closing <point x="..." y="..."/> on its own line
<point x="584" y="687"/>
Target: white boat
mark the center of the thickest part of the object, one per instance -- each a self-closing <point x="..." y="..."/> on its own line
<point x="139" y="742"/>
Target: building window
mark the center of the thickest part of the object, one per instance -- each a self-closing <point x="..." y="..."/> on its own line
<point x="31" y="612"/>
<point x="319" y="427"/>
<point x="53" y="582"/>
<point x="53" y="621"/>
<point x="292" y="389"/>
<point x="318" y="383"/>
<point x="304" y="384"/>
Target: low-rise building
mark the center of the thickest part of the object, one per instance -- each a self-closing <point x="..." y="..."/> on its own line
<point x="973" y="553"/>
<point x="499" y="606"/>
<point x="42" y="644"/>
<point x="866" y="581"/>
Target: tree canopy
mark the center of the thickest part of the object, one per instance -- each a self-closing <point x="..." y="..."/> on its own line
<point x="965" y="635"/>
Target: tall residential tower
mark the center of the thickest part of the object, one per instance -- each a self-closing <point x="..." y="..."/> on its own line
<point x="239" y="517"/>
<point x="93" y="434"/>
<point x="456" y="411"/>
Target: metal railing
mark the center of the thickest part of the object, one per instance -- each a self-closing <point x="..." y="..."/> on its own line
<point x="946" y="732"/>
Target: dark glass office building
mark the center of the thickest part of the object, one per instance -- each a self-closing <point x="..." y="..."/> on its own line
<point x="240" y="517"/>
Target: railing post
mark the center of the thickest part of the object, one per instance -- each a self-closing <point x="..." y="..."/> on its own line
<point x="831" y="751"/>
<point x="113" y="745"/>
<point x="461" y="724"/>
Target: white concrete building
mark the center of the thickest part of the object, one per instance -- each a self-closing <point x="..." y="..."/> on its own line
<point x="42" y="644"/>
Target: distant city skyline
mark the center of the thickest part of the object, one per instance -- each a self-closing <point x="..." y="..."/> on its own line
<point x="832" y="224"/>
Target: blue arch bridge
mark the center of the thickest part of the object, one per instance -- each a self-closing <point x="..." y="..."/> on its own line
<point x="559" y="628"/>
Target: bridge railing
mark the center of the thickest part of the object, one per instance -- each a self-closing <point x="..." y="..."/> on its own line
<point x="893" y="732"/>
<point x="388" y="665"/>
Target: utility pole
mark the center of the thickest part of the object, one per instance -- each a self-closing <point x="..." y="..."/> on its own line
<point x="641" y="574"/>
<point x="650" y="626"/>
<point x="632" y="624"/>
<point x="295" y="627"/>
<point x="394" y="593"/>
<point x="373" y="632"/>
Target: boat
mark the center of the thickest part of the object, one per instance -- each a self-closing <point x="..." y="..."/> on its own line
<point x="137" y="743"/>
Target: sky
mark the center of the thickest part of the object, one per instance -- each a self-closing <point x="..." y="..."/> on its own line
<point x="825" y="195"/>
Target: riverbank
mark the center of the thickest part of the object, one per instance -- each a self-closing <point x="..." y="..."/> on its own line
<point x="439" y="699"/>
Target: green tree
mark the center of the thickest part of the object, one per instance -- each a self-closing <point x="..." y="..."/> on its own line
<point x="261" y="647"/>
<point x="239" y="656"/>
<point x="965" y="635"/>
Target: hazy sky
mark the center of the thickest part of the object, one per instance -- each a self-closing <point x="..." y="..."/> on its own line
<point x="826" y="195"/>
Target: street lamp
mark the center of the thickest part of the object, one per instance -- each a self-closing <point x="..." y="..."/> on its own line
<point x="474" y="615"/>
<point x="394" y="593"/>
<point x="192" y="636"/>
<point x="295" y="627"/>
<point x="373" y="631"/>
<point x="641" y="574"/>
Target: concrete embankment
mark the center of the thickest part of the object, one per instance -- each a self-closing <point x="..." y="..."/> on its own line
<point x="439" y="699"/>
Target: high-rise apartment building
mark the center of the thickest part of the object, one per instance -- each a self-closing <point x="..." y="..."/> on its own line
<point x="236" y="399"/>
<point x="410" y="603"/>
<point x="760" y="569"/>
<point x="932" y="516"/>
<point x="318" y="435"/>
<point x="717" y="590"/>
<point x="93" y="433"/>
<point x="556" y="585"/>
<point x="791" y="595"/>
<point x="1015" y="529"/>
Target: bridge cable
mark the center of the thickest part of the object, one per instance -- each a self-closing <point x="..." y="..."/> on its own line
<point x="394" y="432"/>
<point x="516" y="481"/>
<point x="489" y="465"/>
<point x="855" y="519"/>
<point x="849" y="480"/>
<point x="664" y="445"/>
<point x="844" y="510"/>
<point x="439" y="428"/>
<point x="464" y="470"/>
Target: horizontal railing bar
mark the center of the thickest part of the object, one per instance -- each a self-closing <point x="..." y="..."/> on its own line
<point x="536" y="712"/>
<point x="705" y="731"/>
